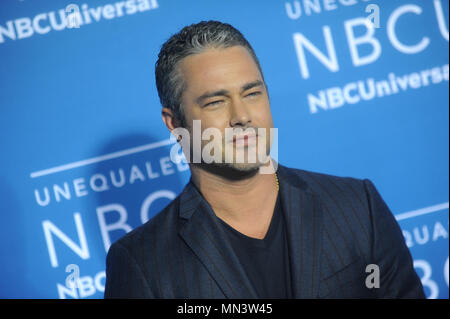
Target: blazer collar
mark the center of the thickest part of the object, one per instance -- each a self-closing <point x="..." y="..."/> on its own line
<point x="203" y="234"/>
<point x="302" y="213"/>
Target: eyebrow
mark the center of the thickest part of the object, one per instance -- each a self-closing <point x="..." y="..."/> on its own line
<point x="244" y="88"/>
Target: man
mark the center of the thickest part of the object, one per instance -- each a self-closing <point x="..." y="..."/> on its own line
<point x="235" y="232"/>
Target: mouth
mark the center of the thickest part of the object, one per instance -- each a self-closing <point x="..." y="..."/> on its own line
<point x="245" y="140"/>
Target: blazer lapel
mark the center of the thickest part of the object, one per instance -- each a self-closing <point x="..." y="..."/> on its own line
<point x="204" y="236"/>
<point x="303" y="217"/>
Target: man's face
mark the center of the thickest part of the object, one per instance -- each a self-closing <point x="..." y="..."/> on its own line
<point x="224" y="89"/>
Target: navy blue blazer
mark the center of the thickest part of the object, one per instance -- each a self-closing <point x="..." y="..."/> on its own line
<point x="336" y="227"/>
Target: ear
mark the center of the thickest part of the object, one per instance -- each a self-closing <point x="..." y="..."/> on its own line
<point x="169" y="118"/>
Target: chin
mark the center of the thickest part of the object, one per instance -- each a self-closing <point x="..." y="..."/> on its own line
<point x="244" y="167"/>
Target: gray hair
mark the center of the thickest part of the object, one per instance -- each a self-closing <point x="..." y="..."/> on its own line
<point x="192" y="39"/>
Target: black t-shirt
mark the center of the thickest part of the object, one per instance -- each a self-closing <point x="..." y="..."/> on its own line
<point x="266" y="261"/>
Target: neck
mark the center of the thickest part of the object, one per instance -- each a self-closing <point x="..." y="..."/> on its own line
<point x="236" y="197"/>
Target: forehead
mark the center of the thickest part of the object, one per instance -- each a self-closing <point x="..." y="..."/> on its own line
<point x="219" y="69"/>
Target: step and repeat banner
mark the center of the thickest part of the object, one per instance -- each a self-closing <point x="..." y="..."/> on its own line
<point x="357" y="88"/>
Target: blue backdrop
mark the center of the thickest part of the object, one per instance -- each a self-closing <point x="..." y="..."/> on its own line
<point x="85" y="155"/>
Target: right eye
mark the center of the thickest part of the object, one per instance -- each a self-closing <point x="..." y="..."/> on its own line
<point x="213" y="103"/>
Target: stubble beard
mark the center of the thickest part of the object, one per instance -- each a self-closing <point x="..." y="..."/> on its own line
<point x="236" y="170"/>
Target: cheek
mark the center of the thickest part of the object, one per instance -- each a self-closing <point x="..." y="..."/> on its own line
<point x="207" y="119"/>
<point x="214" y="121"/>
<point x="263" y="117"/>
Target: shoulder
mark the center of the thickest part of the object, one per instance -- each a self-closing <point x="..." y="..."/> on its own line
<point x="345" y="201"/>
<point x="326" y="185"/>
<point x="346" y="209"/>
<point x="154" y="231"/>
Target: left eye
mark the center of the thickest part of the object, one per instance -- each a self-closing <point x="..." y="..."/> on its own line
<point x="253" y="94"/>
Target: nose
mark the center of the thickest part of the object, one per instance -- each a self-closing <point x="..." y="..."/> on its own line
<point x="239" y="113"/>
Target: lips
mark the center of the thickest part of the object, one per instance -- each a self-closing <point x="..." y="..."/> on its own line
<point x="245" y="139"/>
